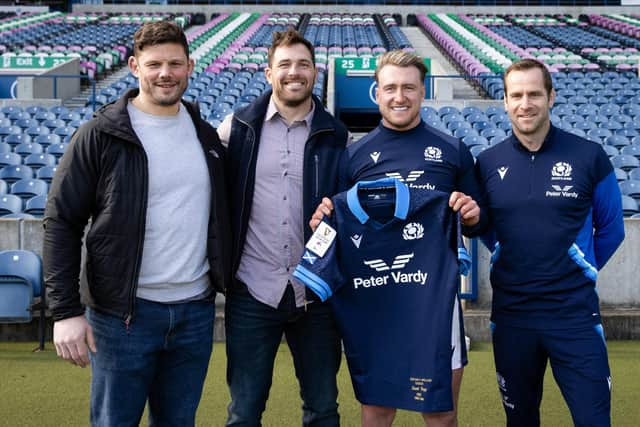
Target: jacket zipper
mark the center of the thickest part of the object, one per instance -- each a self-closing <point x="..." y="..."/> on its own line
<point x="136" y="272"/>
<point x="316" y="161"/>
<point x="246" y="177"/>
<point x="531" y="173"/>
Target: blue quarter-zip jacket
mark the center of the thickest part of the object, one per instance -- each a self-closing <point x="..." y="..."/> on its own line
<point x="556" y="218"/>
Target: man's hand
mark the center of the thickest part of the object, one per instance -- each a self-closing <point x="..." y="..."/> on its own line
<point x="72" y="337"/>
<point x="324" y="209"/>
<point x="469" y="209"/>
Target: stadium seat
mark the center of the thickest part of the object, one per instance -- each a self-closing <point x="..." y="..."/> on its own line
<point x="25" y="149"/>
<point x="631" y="150"/>
<point x="38" y="160"/>
<point x="7" y="159"/>
<point x="620" y="174"/>
<point x="630" y="187"/>
<point x="629" y="205"/>
<point x="36" y="205"/>
<point x="13" y="173"/>
<point x="634" y="174"/>
<point x="625" y="162"/>
<point x="9" y="204"/>
<point x="20" y="284"/>
<point x="57" y="149"/>
<point x="4" y="188"/>
<point x="28" y="188"/>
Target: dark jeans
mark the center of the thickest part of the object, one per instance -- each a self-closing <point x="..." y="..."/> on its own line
<point x="162" y="357"/>
<point x="254" y="332"/>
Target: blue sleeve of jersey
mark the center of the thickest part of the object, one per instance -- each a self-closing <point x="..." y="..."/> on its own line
<point x="469" y="184"/>
<point x="321" y="274"/>
<point x="607" y="218"/>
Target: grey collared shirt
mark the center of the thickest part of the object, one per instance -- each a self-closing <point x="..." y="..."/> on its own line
<point x="275" y="234"/>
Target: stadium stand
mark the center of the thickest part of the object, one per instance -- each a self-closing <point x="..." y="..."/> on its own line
<point x="593" y="59"/>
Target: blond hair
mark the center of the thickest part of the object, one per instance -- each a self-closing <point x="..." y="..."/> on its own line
<point x="403" y="59"/>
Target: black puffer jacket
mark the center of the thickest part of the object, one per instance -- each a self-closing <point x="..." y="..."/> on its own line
<point x="103" y="176"/>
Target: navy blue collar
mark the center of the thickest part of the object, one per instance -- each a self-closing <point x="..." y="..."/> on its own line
<point x="402" y="198"/>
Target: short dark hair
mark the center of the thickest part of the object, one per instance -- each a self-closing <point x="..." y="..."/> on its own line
<point x="159" y="32"/>
<point x="401" y="58"/>
<point x="289" y="38"/>
<point x="530" y="64"/>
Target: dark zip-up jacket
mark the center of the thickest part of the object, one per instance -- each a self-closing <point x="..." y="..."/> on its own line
<point x="326" y="142"/>
<point x="103" y="176"/>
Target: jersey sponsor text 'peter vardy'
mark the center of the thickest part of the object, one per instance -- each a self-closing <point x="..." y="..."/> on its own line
<point x="387" y="260"/>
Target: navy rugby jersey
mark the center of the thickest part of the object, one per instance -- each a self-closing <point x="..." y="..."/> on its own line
<point x="423" y="158"/>
<point x="387" y="260"/>
<point x="556" y="218"/>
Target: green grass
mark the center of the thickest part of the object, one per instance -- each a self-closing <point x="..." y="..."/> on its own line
<point x="38" y="389"/>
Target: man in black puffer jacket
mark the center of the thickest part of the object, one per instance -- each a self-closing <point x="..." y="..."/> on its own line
<point x="148" y="172"/>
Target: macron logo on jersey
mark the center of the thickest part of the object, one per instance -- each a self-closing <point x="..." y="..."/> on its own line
<point x="356" y="239"/>
<point x="413" y="175"/>
<point x="502" y="171"/>
<point x="375" y="156"/>
<point x="400" y="261"/>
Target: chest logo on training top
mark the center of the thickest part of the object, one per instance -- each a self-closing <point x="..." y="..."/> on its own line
<point x="433" y="154"/>
<point x="375" y="156"/>
<point x="356" y="239"/>
<point x="561" y="171"/>
<point x="502" y="171"/>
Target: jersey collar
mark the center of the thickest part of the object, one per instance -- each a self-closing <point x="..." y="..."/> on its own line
<point x="402" y="197"/>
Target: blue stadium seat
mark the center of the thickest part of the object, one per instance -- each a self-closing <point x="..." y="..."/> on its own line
<point x="632" y="150"/>
<point x="36" y="205"/>
<point x="28" y="188"/>
<point x="46" y="140"/>
<point x="7" y="159"/>
<point x="630" y="187"/>
<point x="620" y="174"/>
<point x="4" y="188"/>
<point x="38" y="160"/>
<point x="46" y="173"/>
<point x="629" y="205"/>
<point x="625" y="162"/>
<point x="57" y="149"/>
<point x="17" y="139"/>
<point x="9" y="204"/>
<point x="13" y="173"/>
<point x="634" y="174"/>
<point x="28" y="148"/>
<point x="20" y="285"/>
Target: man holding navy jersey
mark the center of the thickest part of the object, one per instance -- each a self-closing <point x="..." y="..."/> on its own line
<point x="556" y="219"/>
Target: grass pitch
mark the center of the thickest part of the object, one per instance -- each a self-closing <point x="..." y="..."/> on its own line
<point x="40" y="390"/>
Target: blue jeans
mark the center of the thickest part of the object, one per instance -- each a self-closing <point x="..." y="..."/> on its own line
<point x="254" y="332"/>
<point x="161" y="357"/>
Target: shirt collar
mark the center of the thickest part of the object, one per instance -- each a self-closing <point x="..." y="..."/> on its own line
<point x="272" y="112"/>
<point x="402" y="198"/>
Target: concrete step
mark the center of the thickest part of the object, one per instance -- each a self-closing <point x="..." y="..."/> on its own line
<point x="427" y="49"/>
<point x="619" y="324"/>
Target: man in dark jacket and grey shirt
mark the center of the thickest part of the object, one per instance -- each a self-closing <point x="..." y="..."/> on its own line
<point x="148" y="172"/>
<point x="283" y="153"/>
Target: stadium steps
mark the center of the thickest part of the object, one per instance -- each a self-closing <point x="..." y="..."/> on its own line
<point x="81" y="99"/>
<point x="425" y="48"/>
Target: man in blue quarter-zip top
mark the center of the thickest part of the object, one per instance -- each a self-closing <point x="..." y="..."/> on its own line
<point x="284" y="150"/>
<point x="556" y="218"/>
